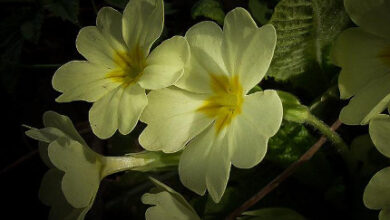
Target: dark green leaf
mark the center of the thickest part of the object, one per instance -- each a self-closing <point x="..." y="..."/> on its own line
<point x="260" y="11"/>
<point x="210" y="9"/>
<point x="305" y="29"/>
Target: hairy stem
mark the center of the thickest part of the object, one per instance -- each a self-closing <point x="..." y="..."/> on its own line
<point x="330" y="134"/>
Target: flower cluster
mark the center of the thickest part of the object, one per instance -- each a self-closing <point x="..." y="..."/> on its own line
<point x="199" y="104"/>
<point x="363" y="53"/>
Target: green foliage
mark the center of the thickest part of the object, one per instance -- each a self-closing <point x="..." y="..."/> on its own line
<point x="291" y="141"/>
<point x="260" y="11"/>
<point x="65" y="9"/>
<point x="272" y="213"/>
<point x="211" y="9"/>
<point x="293" y="110"/>
<point x="305" y="30"/>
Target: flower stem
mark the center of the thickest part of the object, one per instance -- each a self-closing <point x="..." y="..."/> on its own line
<point x="113" y="165"/>
<point x="331" y="135"/>
<point x="143" y="161"/>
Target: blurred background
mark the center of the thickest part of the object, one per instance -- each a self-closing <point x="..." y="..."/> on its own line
<point x="37" y="36"/>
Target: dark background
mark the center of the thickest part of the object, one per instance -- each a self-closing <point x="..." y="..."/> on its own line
<point x="37" y="36"/>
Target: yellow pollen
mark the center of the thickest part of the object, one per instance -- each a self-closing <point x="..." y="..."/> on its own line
<point x="129" y="67"/>
<point x="226" y="101"/>
<point x="385" y="56"/>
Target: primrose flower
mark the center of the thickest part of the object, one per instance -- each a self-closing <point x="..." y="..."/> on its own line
<point x="377" y="192"/>
<point x="71" y="184"/>
<point x="363" y="53"/>
<point x="211" y="111"/>
<point x="119" y="66"/>
<point x="167" y="204"/>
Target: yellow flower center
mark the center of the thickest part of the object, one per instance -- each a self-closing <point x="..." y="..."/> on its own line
<point x="130" y="66"/>
<point x="226" y="102"/>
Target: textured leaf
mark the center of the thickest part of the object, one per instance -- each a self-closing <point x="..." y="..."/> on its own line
<point x="305" y="28"/>
<point x="291" y="141"/>
<point x="210" y="9"/>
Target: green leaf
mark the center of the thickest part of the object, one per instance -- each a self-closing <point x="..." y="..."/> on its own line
<point x="210" y="9"/>
<point x="305" y="30"/>
<point x="272" y="213"/>
<point x="291" y="141"/>
<point x="167" y="204"/>
<point x="260" y="11"/>
<point x="66" y="9"/>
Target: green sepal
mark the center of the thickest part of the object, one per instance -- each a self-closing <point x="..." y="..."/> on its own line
<point x="293" y="110"/>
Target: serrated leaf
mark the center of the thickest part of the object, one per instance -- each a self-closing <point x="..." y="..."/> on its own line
<point x="66" y="9"/>
<point x="305" y="29"/>
<point x="210" y="9"/>
<point x="260" y="11"/>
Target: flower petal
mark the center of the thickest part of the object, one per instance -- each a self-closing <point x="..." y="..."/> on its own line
<point x="120" y="108"/>
<point x="379" y="133"/>
<point x="218" y="167"/>
<point x="50" y="194"/>
<point x="63" y="123"/>
<point x="372" y="15"/>
<point x="80" y="80"/>
<point x="205" y="39"/>
<point x="168" y="204"/>
<point x="142" y="24"/>
<point x="368" y="102"/>
<point x="82" y="170"/>
<point x="260" y="119"/>
<point x="165" y="64"/>
<point x="384" y="214"/>
<point x="377" y="192"/>
<point x="246" y="49"/>
<point x="172" y="119"/>
<point x="358" y="54"/>
<point x="205" y="163"/>
<point x="193" y="161"/>
<point x="109" y="23"/>
<point x="131" y="106"/>
<point x="91" y="43"/>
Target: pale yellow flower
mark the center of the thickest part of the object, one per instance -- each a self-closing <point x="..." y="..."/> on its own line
<point x="119" y="66"/>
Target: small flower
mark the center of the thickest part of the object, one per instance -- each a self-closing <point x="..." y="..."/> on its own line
<point x="211" y="112"/>
<point x="167" y="204"/>
<point x="119" y="66"/>
<point x="377" y="193"/>
<point x="363" y="53"/>
<point x="71" y="184"/>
